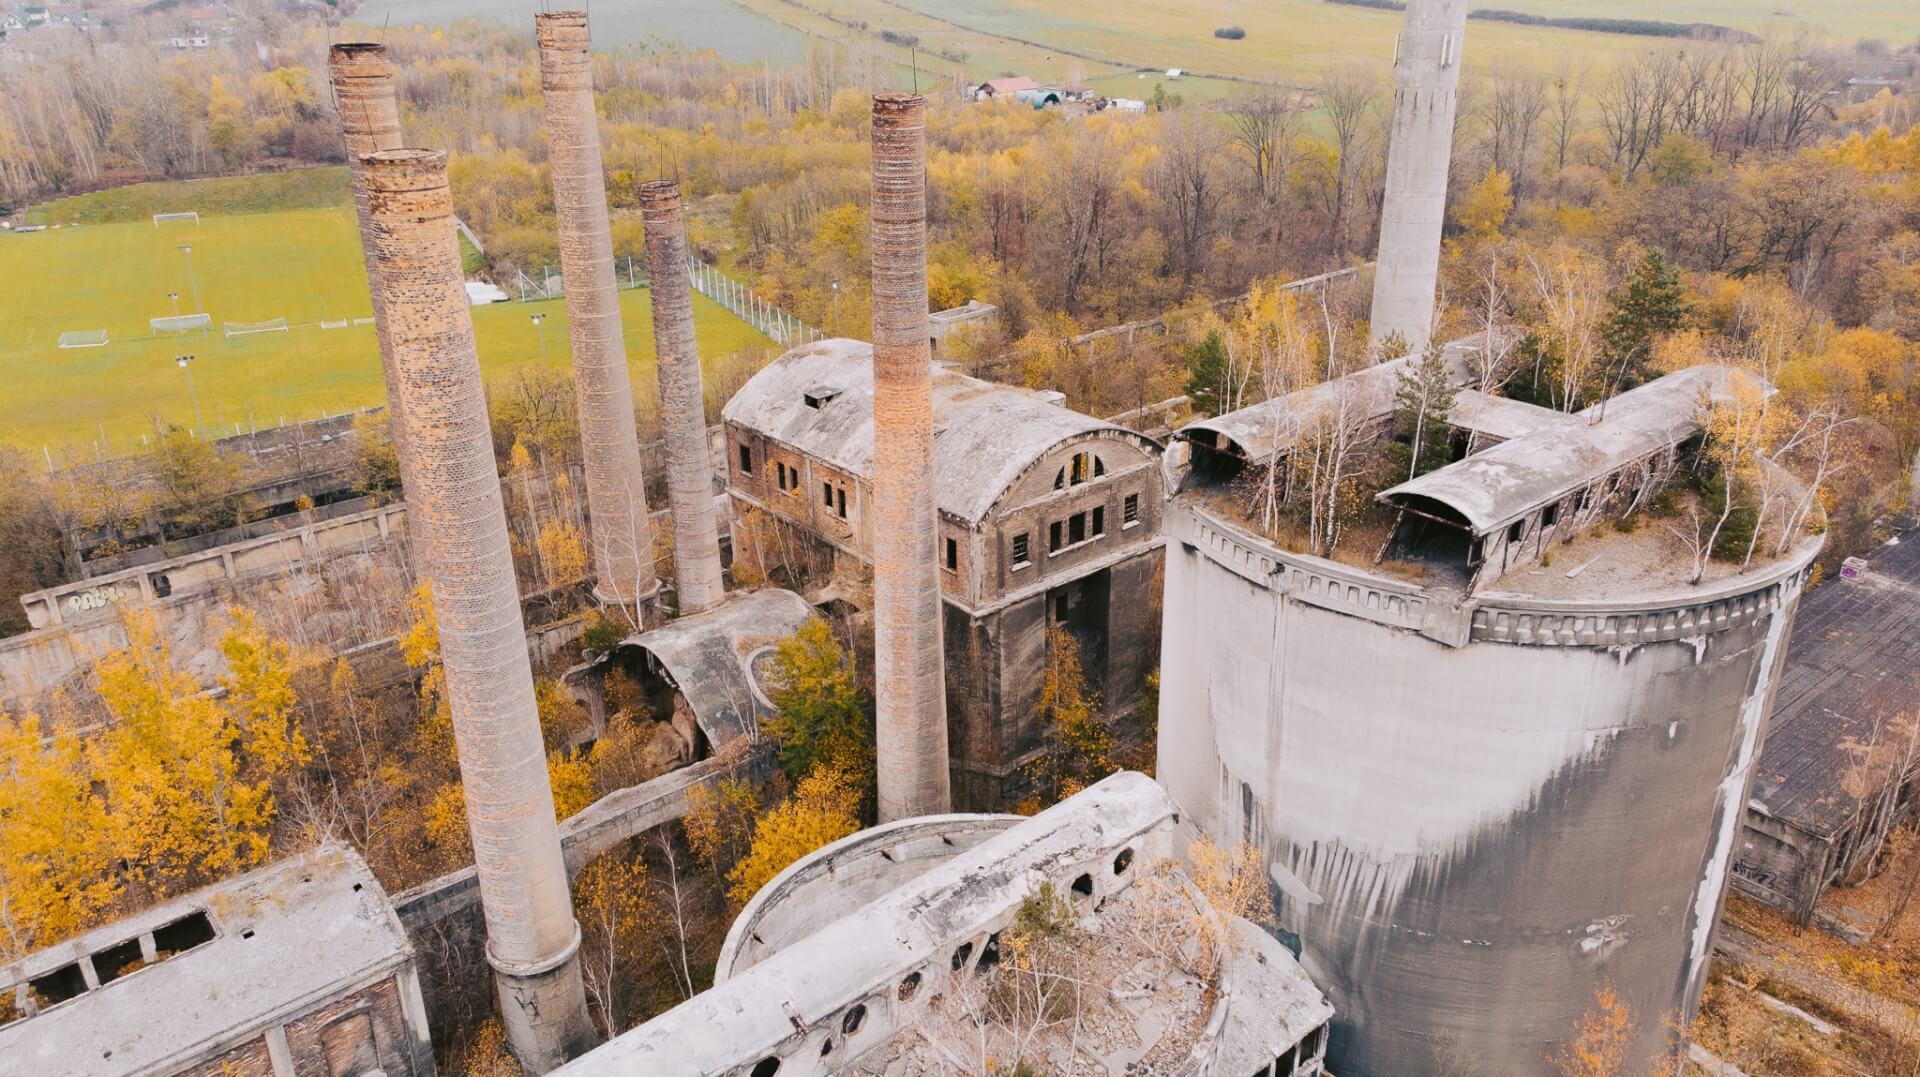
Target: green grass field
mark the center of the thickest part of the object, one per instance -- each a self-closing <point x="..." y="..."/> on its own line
<point x="299" y="264"/>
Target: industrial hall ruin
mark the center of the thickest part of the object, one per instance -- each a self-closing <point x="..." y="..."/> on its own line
<point x="1377" y="707"/>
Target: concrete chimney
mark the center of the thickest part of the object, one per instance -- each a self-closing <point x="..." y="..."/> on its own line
<point x="363" y="94"/>
<point x="455" y="512"/>
<point x="1426" y="94"/>
<point x="911" y="734"/>
<point x="683" y="411"/>
<point x="621" y="533"/>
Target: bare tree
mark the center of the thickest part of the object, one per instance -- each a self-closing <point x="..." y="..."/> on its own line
<point x="1187" y="177"/>
<point x="1567" y="96"/>
<point x="1512" y="116"/>
<point x="1266" y="128"/>
<point x="1350" y="96"/>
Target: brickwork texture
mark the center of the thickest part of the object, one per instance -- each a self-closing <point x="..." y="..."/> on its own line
<point x="683" y="409"/>
<point x="618" y="526"/>
<point x="911" y="731"/>
<point x="454" y="507"/>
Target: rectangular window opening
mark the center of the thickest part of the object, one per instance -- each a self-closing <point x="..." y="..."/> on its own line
<point x="1021" y="556"/>
<point x="183" y="934"/>
<point x="1550" y="515"/>
<point x="61" y="984"/>
<point x="1053" y="537"/>
<point x="953" y="556"/>
<point x="826" y="493"/>
<point x="841" y="497"/>
<point x="1099" y="520"/>
<point x="1076" y="528"/>
<point x="1518" y="531"/>
<point x="117" y="960"/>
<point x="1130" y="510"/>
<point x="746" y="459"/>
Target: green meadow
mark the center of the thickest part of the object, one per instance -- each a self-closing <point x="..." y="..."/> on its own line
<point x="251" y="261"/>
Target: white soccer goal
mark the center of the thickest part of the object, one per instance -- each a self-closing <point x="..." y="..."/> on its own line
<point x="188" y="215"/>
<point x="241" y="329"/>
<point x="84" y="338"/>
<point x="341" y="324"/>
<point x="180" y="323"/>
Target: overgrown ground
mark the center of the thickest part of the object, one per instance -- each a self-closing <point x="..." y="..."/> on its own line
<point x="271" y="246"/>
<point x="1870" y="995"/>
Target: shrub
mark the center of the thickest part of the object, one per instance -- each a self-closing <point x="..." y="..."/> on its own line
<point x="1230" y="33"/>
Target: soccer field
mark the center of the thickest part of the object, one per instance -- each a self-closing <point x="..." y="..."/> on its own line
<point x="302" y="265"/>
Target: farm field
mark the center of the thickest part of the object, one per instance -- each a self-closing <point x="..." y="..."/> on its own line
<point x="299" y="264"/>
<point x="728" y="29"/>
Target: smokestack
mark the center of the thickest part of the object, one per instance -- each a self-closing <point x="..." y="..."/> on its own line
<point x="454" y="507"/>
<point x="1424" y="100"/>
<point x="621" y="533"/>
<point x="911" y="734"/>
<point x="363" y="94"/>
<point x="683" y="410"/>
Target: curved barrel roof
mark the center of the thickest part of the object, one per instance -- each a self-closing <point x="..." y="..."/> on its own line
<point x="818" y="399"/>
<point x="1509" y="481"/>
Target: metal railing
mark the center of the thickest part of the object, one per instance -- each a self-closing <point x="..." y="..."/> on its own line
<point x="783" y="328"/>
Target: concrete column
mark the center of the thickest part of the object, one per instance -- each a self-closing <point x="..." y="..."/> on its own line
<point x="911" y="734"/>
<point x="363" y="95"/>
<point x="683" y="408"/>
<point x="621" y="533"/>
<point x="1425" y="97"/>
<point x="455" y="511"/>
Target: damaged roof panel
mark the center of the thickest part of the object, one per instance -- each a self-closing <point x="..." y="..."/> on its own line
<point x="1509" y="481"/>
<point x="710" y="656"/>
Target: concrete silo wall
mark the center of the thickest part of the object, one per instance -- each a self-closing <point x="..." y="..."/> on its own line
<point x="1469" y="838"/>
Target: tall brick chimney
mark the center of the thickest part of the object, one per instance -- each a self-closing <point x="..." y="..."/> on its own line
<point x="911" y="734"/>
<point x="1425" y="98"/>
<point x="363" y="95"/>
<point x="621" y="533"/>
<point x="683" y="412"/>
<point x="455" y="512"/>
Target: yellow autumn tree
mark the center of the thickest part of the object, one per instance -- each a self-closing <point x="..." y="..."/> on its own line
<point x="1599" y="1046"/>
<point x="186" y="798"/>
<point x="618" y="925"/>
<point x="563" y="552"/>
<point x="1483" y="209"/>
<point x="822" y="810"/>
<point x="1078" y="748"/>
<point x="55" y="856"/>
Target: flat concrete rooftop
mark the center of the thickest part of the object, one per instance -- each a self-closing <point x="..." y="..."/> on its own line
<point x="247" y="953"/>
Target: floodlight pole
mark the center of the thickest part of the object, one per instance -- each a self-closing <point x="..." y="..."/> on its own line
<point x="540" y="337"/>
<point x="175" y="296"/>
<point x="184" y="360"/>
<point x="186" y="252"/>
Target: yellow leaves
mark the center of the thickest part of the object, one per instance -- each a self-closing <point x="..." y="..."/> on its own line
<point x="571" y="775"/>
<point x="420" y="643"/>
<point x="446" y="819"/>
<point x="1599" y="1047"/>
<point x="175" y="790"/>
<point x="1483" y="209"/>
<point x="563" y="551"/>
<point x="823" y="711"/>
<point x="1234" y="882"/>
<point x="821" y="811"/>
<point x="259" y="685"/>
<point x="519" y="460"/>
<point x="54" y="852"/>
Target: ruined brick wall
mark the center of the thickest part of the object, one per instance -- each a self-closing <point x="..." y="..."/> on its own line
<point x="618" y="526"/>
<point x="455" y="512"/>
<point x="355" y="1033"/>
<point x="911" y="728"/>
<point x="249" y="1059"/>
<point x="683" y="412"/>
<point x="363" y="94"/>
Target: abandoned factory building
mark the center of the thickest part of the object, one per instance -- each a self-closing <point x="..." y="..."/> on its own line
<point x="1542" y="694"/>
<point x="299" y="967"/>
<point x="1045" y="516"/>
<point x="1840" y="761"/>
